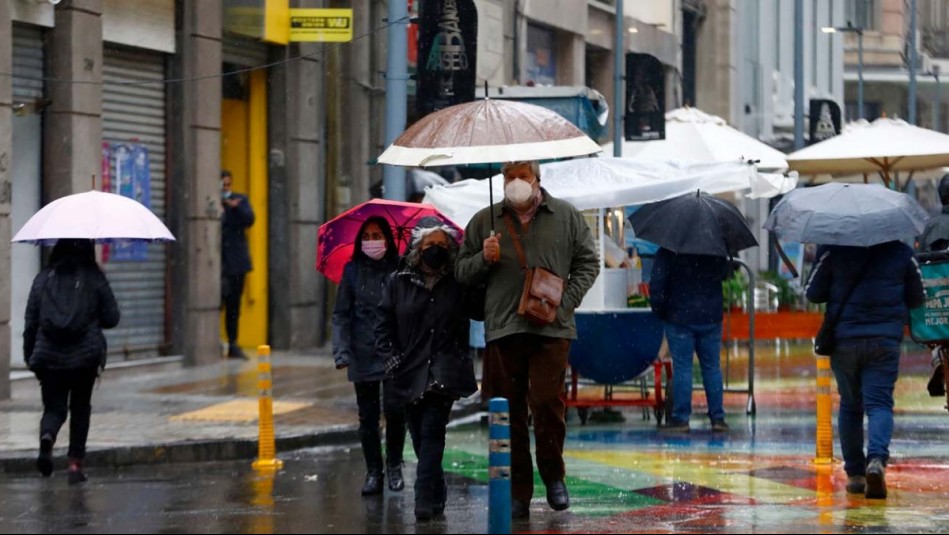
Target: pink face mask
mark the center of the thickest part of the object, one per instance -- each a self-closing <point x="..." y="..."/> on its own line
<point x="374" y="249"/>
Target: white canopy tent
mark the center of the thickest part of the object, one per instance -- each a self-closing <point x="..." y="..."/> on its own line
<point x="599" y="183"/>
<point x="695" y="136"/>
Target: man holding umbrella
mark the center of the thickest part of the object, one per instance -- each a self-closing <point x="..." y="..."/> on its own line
<point x="685" y="290"/>
<point x="526" y="360"/>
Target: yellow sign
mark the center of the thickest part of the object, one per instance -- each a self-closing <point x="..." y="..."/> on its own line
<point x="321" y="25"/>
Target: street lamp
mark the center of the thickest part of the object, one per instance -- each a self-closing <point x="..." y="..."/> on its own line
<point x="850" y="28"/>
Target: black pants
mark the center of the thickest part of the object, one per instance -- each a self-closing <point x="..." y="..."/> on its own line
<point x="231" y="292"/>
<point x="428" y="421"/>
<point x="72" y="389"/>
<point x="367" y="397"/>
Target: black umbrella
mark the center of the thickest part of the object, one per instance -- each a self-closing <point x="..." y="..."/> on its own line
<point x="695" y="223"/>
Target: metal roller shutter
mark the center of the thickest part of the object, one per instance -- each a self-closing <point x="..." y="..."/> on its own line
<point x="27" y="63"/>
<point x="135" y="114"/>
<point x="243" y="52"/>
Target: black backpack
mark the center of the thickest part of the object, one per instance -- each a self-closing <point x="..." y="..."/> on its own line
<point x="65" y="307"/>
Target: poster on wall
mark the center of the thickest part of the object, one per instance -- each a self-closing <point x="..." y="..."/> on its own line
<point x="541" y="68"/>
<point x="447" y="54"/>
<point x="125" y="172"/>
<point x="645" y="118"/>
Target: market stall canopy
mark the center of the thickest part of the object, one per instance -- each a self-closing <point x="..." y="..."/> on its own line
<point x="695" y="136"/>
<point x="590" y="183"/>
<point x="884" y="146"/>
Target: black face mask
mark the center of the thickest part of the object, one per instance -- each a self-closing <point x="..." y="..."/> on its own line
<point x="435" y="257"/>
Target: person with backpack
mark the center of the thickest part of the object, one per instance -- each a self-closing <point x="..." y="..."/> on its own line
<point x="70" y="303"/>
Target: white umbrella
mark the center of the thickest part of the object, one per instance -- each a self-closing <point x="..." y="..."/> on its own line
<point x="590" y="183"/>
<point x="93" y="215"/>
<point x="884" y="146"/>
<point x="695" y="136"/>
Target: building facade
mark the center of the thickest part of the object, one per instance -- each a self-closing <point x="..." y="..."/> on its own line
<point x="151" y="100"/>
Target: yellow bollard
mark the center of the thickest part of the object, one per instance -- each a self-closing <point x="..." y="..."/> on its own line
<point x="825" y="428"/>
<point x="267" y="446"/>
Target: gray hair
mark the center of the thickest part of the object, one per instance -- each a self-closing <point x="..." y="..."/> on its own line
<point x="414" y="257"/>
<point x="534" y="165"/>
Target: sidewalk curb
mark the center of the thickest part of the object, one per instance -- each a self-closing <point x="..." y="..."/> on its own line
<point x="201" y="451"/>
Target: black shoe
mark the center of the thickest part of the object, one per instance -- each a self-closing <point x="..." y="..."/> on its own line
<point x="557" y="496"/>
<point x="876" y="480"/>
<point x="75" y="476"/>
<point x="235" y="352"/>
<point x="856" y="484"/>
<point x="719" y="426"/>
<point x="373" y="485"/>
<point x="937" y="383"/>
<point x="44" y="462"/>
<point x="424" y="512"/>
<point x="396" y="482"/>
<point x="520" y="510"/>
<point x="675" y="427"/>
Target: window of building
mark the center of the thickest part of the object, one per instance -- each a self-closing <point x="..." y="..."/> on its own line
<point x="863" y="13"/>
<point x="541" y="67"/>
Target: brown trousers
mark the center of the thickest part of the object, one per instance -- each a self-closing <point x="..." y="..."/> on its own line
<point x="529" y="371"/>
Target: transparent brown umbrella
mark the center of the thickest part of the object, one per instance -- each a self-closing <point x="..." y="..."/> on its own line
<point x="488" y="131"/>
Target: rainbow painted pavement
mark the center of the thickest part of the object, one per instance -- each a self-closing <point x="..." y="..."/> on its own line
<point x="628" y="477"/>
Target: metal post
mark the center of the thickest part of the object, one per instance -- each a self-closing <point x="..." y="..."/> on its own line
<point x="267" y="448"/>
<point x="937" y="106"/>
<point x="397" y="77"/>
<point x="912" y="64"/>
<point x="499" y="467"/>
<point x="798" y="74"/>
<point x="860" y="73"/>
<point x="619" y="57"/>
<point x="751" y="407"/>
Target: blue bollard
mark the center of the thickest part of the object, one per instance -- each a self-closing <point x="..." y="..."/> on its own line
<point x="499" y="467"/>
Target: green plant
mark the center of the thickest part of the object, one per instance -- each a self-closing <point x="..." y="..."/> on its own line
<point x="733" y="288"/>
<point x="787" y="297"/>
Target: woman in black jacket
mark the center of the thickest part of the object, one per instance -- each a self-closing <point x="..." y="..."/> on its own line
<point x="423" y="335"/>
<point x="375" y="257"/>
<point x="69" y="305"/>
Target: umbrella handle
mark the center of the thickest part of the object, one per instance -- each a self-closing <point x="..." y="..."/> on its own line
<point x="784" y="257"/>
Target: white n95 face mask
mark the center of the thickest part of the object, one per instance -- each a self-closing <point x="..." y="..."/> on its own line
<point x="518" y="192"/>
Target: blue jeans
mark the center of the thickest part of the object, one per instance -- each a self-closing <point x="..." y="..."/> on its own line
<point x="866" y="371"/>
<point x="684" y="342"/>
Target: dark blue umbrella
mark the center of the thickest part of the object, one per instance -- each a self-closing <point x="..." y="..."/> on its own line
<point x="695" y="223"/>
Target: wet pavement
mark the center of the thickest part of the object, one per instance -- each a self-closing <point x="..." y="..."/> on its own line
<point x="624" y="477"/>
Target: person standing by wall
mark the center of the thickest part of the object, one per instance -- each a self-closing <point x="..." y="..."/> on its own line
<point x="69" y="305"/>
<point x="375" y="258"/>
<point x="238" y="216"/>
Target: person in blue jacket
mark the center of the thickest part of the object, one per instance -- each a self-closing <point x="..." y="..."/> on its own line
<point x="883" y="283"/>
<point x="375" y="258"/>
<point x="685" y="291"/>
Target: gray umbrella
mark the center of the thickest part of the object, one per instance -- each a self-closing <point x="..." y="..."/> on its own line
<point x="858" y="215"/>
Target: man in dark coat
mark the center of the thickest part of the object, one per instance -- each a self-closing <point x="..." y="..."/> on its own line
<point x="870" y="291"/>
<point x="235" y="258"/>
<point x="936" y="235"/>
<point x="685" y="291"/>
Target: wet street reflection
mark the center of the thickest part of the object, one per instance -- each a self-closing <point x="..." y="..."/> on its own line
<point x="623" y="477"/>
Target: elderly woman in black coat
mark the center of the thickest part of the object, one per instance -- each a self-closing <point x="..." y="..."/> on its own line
<point x="70" y="303"/>
<point x="375" y="257"/>
<point x="423" y="334"/>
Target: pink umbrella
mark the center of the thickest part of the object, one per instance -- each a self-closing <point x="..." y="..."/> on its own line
<point x="336" y="239"/>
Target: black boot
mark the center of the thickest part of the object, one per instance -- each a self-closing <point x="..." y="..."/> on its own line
<point x="44" y="462"/>
<point x="373" y="485"/>
<point x="234" y="351"/>
<point x="396" y="482"/>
